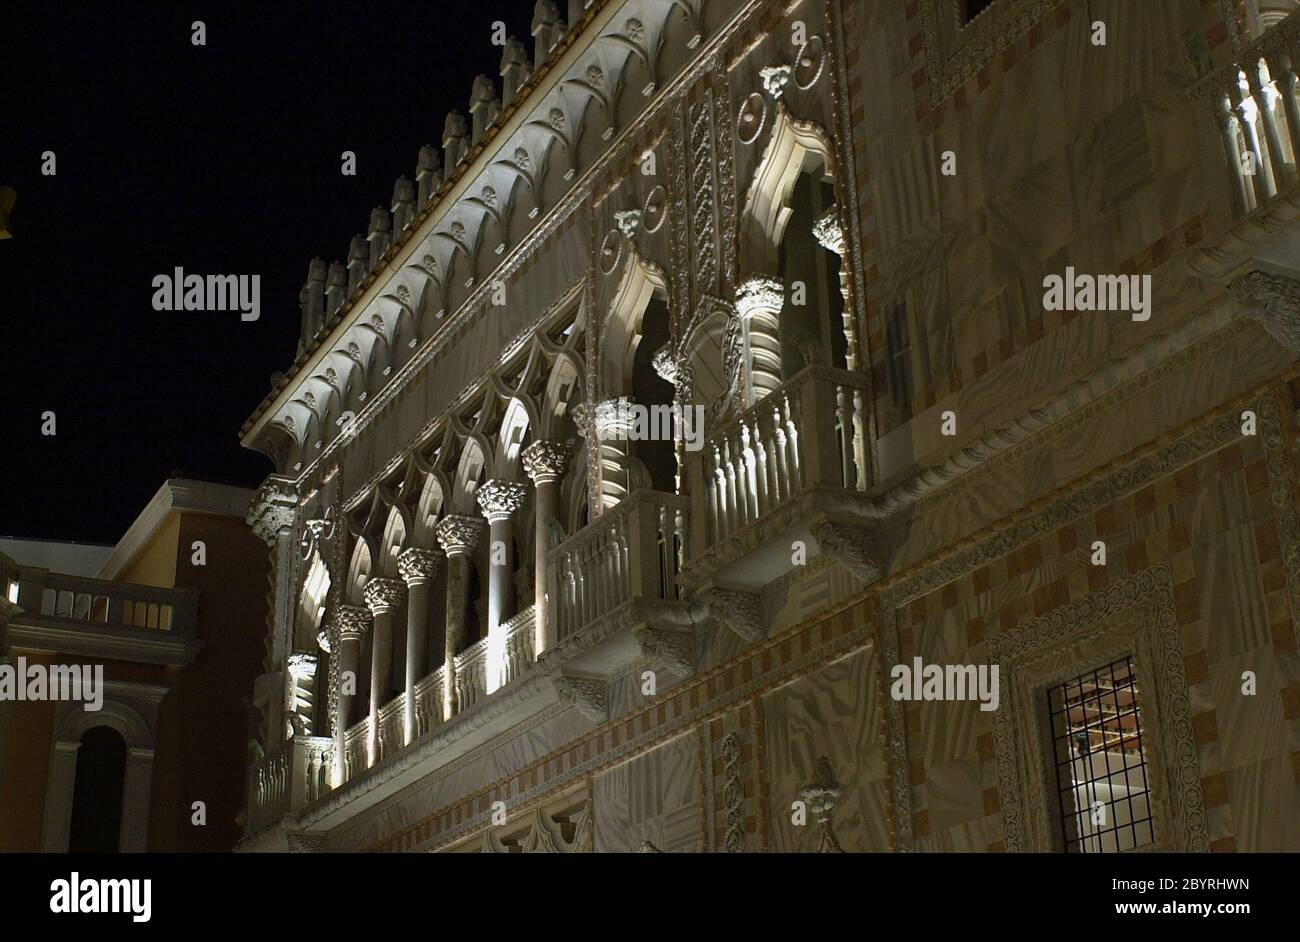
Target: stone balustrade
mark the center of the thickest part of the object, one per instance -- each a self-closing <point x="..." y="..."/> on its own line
<point x="62" y="598"/>
<point x="1258" y="115"/>
<point x="288" y="780"/>
<point x="807" y="433"/>
<point x="632" y="551"/>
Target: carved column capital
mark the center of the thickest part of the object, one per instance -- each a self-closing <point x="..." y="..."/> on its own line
<point x="458" y="534"/>
<point x="272" y="508"/>
<point x="1274" y="301"/>
<point x="545" y="461"/>
<point x="613" y="417"/>
<point x="854" y="546"/>
<point x="383" y="595"/>
<point x="588" y="694"/>
<point x="759" y="293"/>
<point x="418" y="566"/>
<point x="828" y="231"/>
<point x="736" y="610"/>
<point x="327" y="637"/>
<point x="301" y="666"/>
<point x="670" y="367"/>
<point x="352" y="622"/>
<point x="499" y="499"/>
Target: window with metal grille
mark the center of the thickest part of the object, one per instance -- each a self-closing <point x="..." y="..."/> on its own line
<point x="1103" y="784"/>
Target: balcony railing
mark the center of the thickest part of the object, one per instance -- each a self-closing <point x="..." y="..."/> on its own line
<point x="74" y="600"/>
<point x="633" y="551"/>
<point x="1256" y="110"/>
<point x="807" y="433"/>
<point x="289" y="779"/>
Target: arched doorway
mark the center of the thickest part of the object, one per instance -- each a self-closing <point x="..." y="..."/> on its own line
<point x="96" y="825"/>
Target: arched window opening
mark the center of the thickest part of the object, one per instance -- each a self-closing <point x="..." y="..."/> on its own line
<point x="655" y="454"/>
<point x="812" y="321"/>
<point x="96" y="825"/>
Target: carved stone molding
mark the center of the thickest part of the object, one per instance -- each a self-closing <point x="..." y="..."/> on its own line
<point x="759" y="293"/>
<point x="353" y="622"/>
<point x="854" y="546"/>
<point x="674" y="649"/>
<point x="418" y="566"/>
<point x="272" y="508"/>
<point x="1274" y="301"/>
<point x="736" y="610"/>
<point x="458" y="534"/>
<point x="733" y="793"/>
<point x="1136" y="616"/>
<point x="545" y="461"/>
<point x="588" y="694"/>
<point x="820" y="795"/>
<point x="384" y="595"/>
<point x="499" y="499"/>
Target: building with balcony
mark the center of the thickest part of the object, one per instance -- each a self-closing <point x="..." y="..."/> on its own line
<point x="170" y="616"/>
<point x="518" y="607"/>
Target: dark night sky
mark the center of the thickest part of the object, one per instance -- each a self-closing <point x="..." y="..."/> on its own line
<point x="221" y="159"/>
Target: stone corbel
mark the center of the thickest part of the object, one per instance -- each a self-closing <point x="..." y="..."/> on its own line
<point x="854" y="546"/>
<point x="1274" y="301"/>
<point x="739" y="611"/>
<point x="675" y="650"/>
<point x="588" y="694"/>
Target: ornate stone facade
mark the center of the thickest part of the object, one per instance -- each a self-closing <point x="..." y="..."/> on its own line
<point x="674" y="631"/>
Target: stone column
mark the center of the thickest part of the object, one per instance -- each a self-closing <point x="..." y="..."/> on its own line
<point x="759" y="300"/>
<point x="499" y="500"/>
<point x="352" y="623"/>
<point x="418" y="567"/>
<point x="383" y="598"/>
<point x="301" y="669"/>
<point x="457" y="534"/>
<point x="545" y="462"/>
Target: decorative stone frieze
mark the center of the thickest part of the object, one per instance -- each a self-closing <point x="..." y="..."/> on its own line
<point x="418" y="565"/>
<point x="500" y="499"/>
<point x="384" y="595"/>
<point x="588" y="694"/>
<point x="458" y="534"/>
<point x="545" y="461"/>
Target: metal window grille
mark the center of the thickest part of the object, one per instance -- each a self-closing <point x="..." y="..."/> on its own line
<point x="1103" y="785"/>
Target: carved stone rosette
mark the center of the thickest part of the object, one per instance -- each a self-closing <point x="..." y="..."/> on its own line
<point x="272" y="508"/>
<point x="352" y="622"/>
<point x="588" y="694"/>
<point x="458" y="534"/>
<point x="499" y="499"/>
<point x="759" y="293"/>
<point x="1274" y="301"/>
<point x="736" y="610"/>
<point x="418" y="566"/>
<point x="384" y="595"/>
<point x="545" y="461"/>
